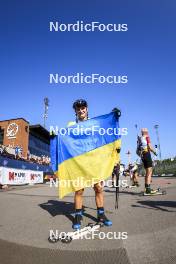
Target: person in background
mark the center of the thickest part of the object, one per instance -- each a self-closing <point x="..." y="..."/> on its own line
<point x="144" y="149"/>
<point x="16" y="152"/>
<point x="134" y="174"/>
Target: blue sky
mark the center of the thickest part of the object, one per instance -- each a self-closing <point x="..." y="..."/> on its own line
<point x="145" y="53"/>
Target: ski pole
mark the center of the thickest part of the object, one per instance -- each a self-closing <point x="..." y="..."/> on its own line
<point x="117" y="185"/>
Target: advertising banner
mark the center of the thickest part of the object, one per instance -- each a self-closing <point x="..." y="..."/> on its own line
<point x="19" y="177"/>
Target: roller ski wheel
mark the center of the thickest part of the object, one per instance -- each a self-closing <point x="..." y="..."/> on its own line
<point x="70" y="236"/>
<point x="53" y="239"/>
<point x="66" y="240"/>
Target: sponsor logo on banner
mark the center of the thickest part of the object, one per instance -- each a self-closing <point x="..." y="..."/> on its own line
<point x="17" y="177"/>
<point x="36" y="177"/>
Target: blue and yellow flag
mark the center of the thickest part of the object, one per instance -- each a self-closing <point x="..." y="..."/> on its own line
<point x="85" y="153"/>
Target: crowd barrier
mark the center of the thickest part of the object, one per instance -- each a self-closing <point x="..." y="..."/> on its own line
<point x="19" y="164"/>
<point x="13" y="176"/>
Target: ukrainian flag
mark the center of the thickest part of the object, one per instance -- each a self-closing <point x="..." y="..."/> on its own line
<point x="86" y="152"/>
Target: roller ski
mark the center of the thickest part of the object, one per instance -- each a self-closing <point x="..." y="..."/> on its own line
<point x="79" y="234"/>
<point x="131" y="187"/>
<point x="152" y="192"/>
<point x="134" y="185"/>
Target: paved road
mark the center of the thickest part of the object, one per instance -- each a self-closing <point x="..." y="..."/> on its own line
<point x="28" y="213"/>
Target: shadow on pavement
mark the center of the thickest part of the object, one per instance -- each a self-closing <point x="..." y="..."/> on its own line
<point x="124" y="192"/>
<point x="54" y="208"/>
<point x="156" y="205"/>
<point x="58" y="207"/>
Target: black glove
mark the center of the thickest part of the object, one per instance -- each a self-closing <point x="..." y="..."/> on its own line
<point x="117" y="112"/>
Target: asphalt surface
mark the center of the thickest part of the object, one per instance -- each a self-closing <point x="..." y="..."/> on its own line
<point x="28" y="213"/>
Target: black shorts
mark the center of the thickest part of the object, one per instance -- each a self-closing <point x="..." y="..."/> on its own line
<point x="147" y="160"/>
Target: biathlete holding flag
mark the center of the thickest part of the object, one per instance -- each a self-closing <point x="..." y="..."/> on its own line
<point x="144" y="149"/>
<point x="81" y="110"/>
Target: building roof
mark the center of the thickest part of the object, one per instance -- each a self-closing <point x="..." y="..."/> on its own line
<point x="39" y="132"/>
<point x="14" y="119"/>
<point x="36" y="130"/>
